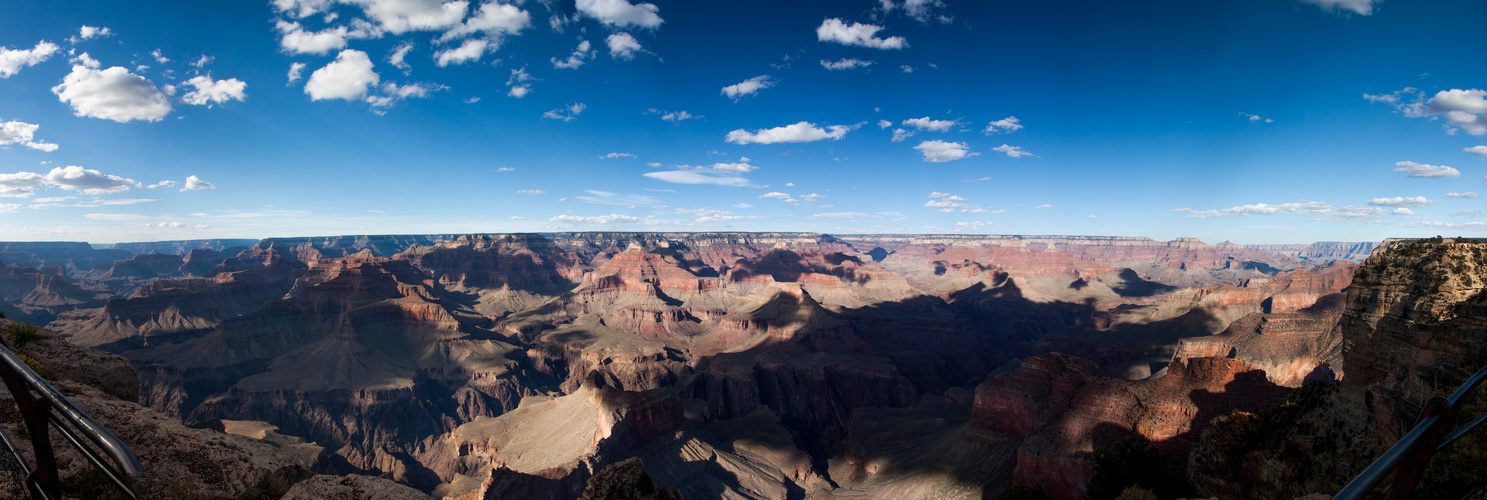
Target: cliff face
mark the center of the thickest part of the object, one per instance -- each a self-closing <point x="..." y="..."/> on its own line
<point x="744" y="364"/>
<point x="1414" y="326"/>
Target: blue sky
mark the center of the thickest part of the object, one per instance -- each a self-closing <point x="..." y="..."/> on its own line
<point x="1262" y="121"/>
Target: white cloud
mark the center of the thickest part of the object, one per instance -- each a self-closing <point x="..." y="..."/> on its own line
<point x="678" y="116"/>
<point x="1469" y="213"/>
<point x="1413" y="169"/>
<point x="608" y="198"/>
<point x="845" y="63"/>
<point x="707" y="215"/>
<point x="399" y="16"/>
<point x="567" y="114"/>
<point x="194" y="183"/>
<point x="776" y="195"/>
<point x="471" y="50"/>
<point x="493" y="18"/>
<point x="623" y="46"/>
<point x="203" y="61"/>
<point x="1012" y="151"/>
<point x="348" y="77"/>
<point x="161" y="184"/>
<point x="519" y="91"/>
<point x="87" y="60"/>
<point x="1260" y="119"/>
<point x="209" y="92"/>
<point x="1008" y="124"/>
<point x="906" y="68"/>
<point x="398" y="57"/>
<point x="942" y="151"/>
<point x="748" y="87"/>
<point x="17" y="132"/>
<point x="1403" y="211"/>
<point x="592" y="221"/>
<point x="391" y="93"/>
<point x="87" y="180"/>
<point x="21" y="184"/>
<point x="86" y="32"/>
<point x="1461" y="195"/>
<point x="621" y="13"/>
<point x="884" y="124"/>
<point x="859" y="215"/>
<point x="931" y="125"/>
<point x="920" y="10"/>
<point x="159" y="56"/>
<point x="730" y="168"/>
<point x="295" y="70"/>
<point x="1466" y="109"/>
<point x="9" y="207"/>
<point x="899" y="135"/>
<point x="518" y="88"/>
<point x="858" y="34"/>
<point x="698" y="177"/>
<point x="117" y="217"/>
<point x="506" y="169"/>
<point x="1045" y="205"/>
<point x="295" y="40"/>
<point x="112" y="94"/>
<point x="1313" y="207"/>
<point x="1401" y="201"/>
<point x="577" y="58"/>
<point x="531" y="192"/>
<point x="799" y="132"/>
<point x="12" y="60"/>
<point x="1477" y="150"/>
<point x="611" y="156"/>
<point x="1362" y="7"/>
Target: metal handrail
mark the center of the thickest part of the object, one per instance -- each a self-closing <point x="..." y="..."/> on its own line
<point x="1407" y="459"/>
<point x="49" y="409"/>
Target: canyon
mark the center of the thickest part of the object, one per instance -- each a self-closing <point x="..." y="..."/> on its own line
<point x="742" y="365"/>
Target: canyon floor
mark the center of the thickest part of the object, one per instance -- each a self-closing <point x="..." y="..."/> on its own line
<point x="733" y="365"/>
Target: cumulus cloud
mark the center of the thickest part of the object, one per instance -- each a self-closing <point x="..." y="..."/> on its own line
<point x="194" y="183"/>
<point x="12" y="60"/>
<point x="1008" y="124"/>
<point x="1461" y="195"/>
<point x="1012" y="151"/>
<point x="399" y="16"/>
<point x="87" y="60"/>
<point x="1401" y="201"/>
<point x="931" y="125"/>
<point x="594" y="221"/>
<point x="857" y="34"/>
<point x="799" y="132"/>
<point x="1463" y="110"/>
<point x="493" y="18"/>
<point x="22" y="133"/>
<point x="399" y="55"/>
<point x="348" y="77"/>
<point x="1361" y="7"/>
<point x="295" y="70"/>
<point x="159" y="56"/>
<point x="72" y="178"/>
<point x="471" y="50"/>
<point x="845" y="63"/>
<point x="621" y="13"/>
<point x="1480" y="151"/>
<point x="86" y="32"/>
<point x="517" y="85"/>
<point x="209" y="92"/>
<point x="884" y="124"/>
<point x="920" y="10"/>
<point x="942" y="151"/>
<point x="748" y="87"/>
<point x="567" y="114"/>
<point x="577" y="58"/>
<point x="1422" y="170"/>
<point x="112" y="94"/>
<point x="623" y="46"/>
<point x="294" y="39"/>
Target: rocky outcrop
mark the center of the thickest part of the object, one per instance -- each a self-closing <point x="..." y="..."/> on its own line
<point x="1322" y="251"/>
<point x="351" y="487"/>
<point x="1062" y="408"/>
<point x="1414" y="326"/>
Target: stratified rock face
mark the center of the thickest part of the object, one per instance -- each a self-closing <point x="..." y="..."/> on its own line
<point x="1413" y="327"/>
<point x="1291" y="347"/>
<point x="181" y="247"/>
<point x="1062" y="408"/>
<point x="1322" y="251"/>
<point x="38" y="296"/>
<point x="69" y="256"/>
<point x="756" y="365"/>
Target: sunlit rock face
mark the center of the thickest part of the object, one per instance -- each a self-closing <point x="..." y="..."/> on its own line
<point x="757" y="365"/>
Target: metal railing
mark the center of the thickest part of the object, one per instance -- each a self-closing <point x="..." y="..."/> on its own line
<point x="43" y="408"/>
<point x="1435" y="430"/>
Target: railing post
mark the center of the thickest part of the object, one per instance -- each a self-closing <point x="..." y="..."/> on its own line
<point x="34" y="413"/>
<point x="1408" y="473"/>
